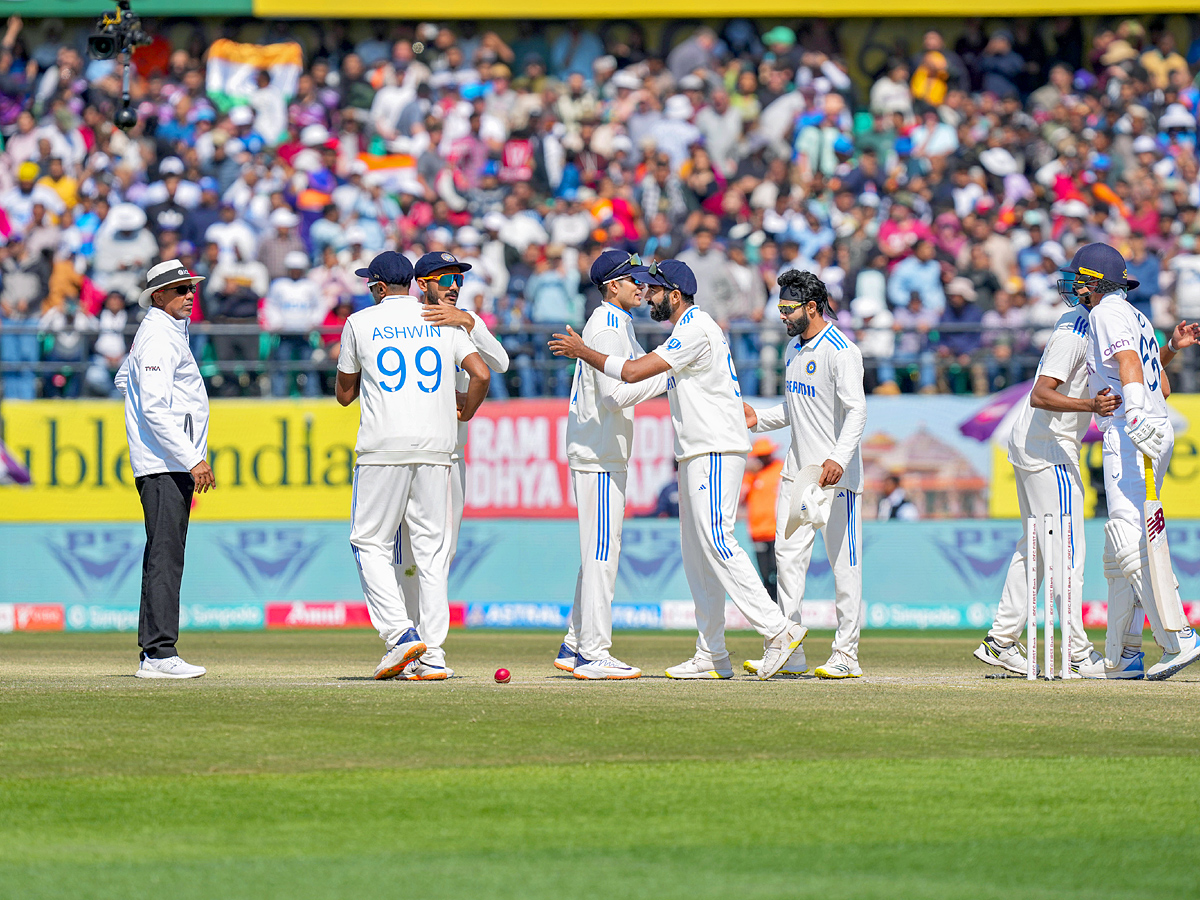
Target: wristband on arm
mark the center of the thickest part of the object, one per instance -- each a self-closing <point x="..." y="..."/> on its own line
<point x="613" y="366"/>
<point x="1135" y="398"/>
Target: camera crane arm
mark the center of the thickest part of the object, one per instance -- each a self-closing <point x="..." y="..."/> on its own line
<point x="117" y="34"/>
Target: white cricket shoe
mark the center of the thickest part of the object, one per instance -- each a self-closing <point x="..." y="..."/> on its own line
<point x="839" y="666"/>
<point x="1189" y="652"/>
<point x="409" y="647"/>
<point x="565" y="659"/>
<point x="1009" y="658"/>
<point x="779" y="649"/>
<point x="795" y="665"/>
<point x="606" y="669"/>
<point x="171" y="667"/>
<point x="419" y="670"/>
<point x="1130" y="667"/>
<point x="697" y="668"/>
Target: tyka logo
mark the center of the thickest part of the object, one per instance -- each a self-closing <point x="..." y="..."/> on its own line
<point x="270" y="559"/>
<point x="979" y="555"/>
<point x="98" y="559"/>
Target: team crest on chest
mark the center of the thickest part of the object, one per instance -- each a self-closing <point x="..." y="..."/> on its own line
<point x="811" y="366"/>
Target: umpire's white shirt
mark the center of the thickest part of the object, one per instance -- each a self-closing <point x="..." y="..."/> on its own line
<point x="166" y="406"/>
<point x="825" y="405"/>
<point x="406" y="395"/>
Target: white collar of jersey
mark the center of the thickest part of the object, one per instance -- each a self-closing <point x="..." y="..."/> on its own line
<point x="1120" y="295"/>
<point x="614" y="306"/>
<point x="399" y="297"/>
<point x="812" y="341"/>
<point x="157" y="313"/>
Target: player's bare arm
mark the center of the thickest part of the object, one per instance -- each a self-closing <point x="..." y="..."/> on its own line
<point x="347" y="387"/>
<point x="477" y="388"/>
<point x="571" y="345"/>
<point x="1183" y="336"/>
<point x="1045" y="396"/>
<point x="443" y="313"/>
<point x="1129" y="365"/>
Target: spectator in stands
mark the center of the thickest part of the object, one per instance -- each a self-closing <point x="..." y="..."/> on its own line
<point x="292" y="310"/>
<point x="919" y="274"/>
<point x="23" y="284"/>
<point x="912" y="325"/>
<point x="960" y="339"/>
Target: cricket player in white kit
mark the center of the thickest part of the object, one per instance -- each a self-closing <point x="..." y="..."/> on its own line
<point x="439" y="277"/>
<point x="1044" y="450"/>
<point x="599" y="441"/>
<point x="1124" y="357"/>
<point x="827" y="410"/>
<point x="711" y="444"/>
<point x="401" y="368"/>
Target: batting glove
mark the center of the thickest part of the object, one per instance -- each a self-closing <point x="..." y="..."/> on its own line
<point x="1146" y="436"/>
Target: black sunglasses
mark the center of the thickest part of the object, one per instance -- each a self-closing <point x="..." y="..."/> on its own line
<point x="180" y="290"/>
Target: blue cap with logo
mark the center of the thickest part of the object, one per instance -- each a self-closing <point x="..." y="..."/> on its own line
<point x="671" y="274"/>
<point x="613" y="264"/>
<point x="388" y="267"/>
<point x="432" y="262"/>
<point x="1102" y="261"/>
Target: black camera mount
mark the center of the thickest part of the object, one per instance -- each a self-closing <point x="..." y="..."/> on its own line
<point x="117" y="34"/>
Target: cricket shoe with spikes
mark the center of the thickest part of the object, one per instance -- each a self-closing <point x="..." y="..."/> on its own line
<point x="1130" y="667"/>
<point x="606" y="669"/>
<point x="409" y="647"/>
<point x="565" y="659"/>
<point x="1009" y="658"/>
<point x="419" y="670"/>
<point x="839" y="666"/>
<point x="795" y="665"/>
<point x="779" y="649"/>
<point x="697" y="669"/>
<point x="1189" y="652"/>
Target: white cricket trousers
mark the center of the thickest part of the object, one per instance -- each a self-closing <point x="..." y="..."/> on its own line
<point x="714" y="563"/>
<point x="843" y="546"/>
<point x="431" y="615"/>
<point x="600" y="500"/>
<point x="1056" y="491"/>
<point x="385" y="497"/>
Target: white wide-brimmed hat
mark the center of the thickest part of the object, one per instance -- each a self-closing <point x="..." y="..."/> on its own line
<point x="165" y="274"/>
<point x="810" y="503"/>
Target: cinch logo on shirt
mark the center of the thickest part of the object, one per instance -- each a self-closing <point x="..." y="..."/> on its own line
<point x="391" y="332"/>
<point x="799" y="387"/>
<point x="1123" y="344"/>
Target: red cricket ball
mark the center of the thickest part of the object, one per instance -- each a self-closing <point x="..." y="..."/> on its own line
<point x="503" y="676"/>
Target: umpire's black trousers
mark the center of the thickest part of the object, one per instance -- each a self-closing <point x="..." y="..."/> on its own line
<point x="167" y="504"/>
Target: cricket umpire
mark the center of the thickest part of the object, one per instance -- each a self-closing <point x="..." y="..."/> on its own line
<point x="166" y="422"/>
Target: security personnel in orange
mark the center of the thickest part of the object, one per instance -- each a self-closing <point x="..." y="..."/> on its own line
<point x="760" y="487"/>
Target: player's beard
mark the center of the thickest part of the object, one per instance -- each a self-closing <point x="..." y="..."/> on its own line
<point x="795" y="329"/>
<point x="660" y="312"/>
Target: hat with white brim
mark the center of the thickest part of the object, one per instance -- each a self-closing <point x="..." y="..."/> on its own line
<point x="165" y="274"/>
<point x="809" y="503"/>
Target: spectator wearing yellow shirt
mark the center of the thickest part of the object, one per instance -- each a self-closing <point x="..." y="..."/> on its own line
<point x="1161" y="60"/>
<point x="60" y="182"/>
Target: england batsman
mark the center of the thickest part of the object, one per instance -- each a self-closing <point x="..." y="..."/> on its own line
<point x="439" y="278"/>
<point x="827" y="411"/>
<point x="599" y="440"/>
<point x="711" y="444"/>
<point x="1124" y="356"/>
<point x="400" y="368"/>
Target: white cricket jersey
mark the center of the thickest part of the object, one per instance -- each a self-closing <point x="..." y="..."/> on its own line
<point x="496" y="357"/>
<point x="166" y="405"/>
<point x="824" y="404"/>
<point x="406" y="397"/>
<point x="599" y="430"/>
<point x="1041" y="438"/>
<point x="706" y="401"/>
<point x="1115" y="326"/>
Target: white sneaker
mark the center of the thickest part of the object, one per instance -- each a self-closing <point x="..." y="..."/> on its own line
<point x="606" y="669"/>
<point x="409" y="647"/>
<point x="839" y="666"/>
<point x="565" y="659"/>
<point x="796" y="664"/>
<point x="697" y="668"/>
<point x="171" y="667"/>
<point x="1130" y="667"/>
<point x="419" y="670"/>
<point x="1189" y="652"/>
<point x="1009" y="658"/>
<point x="780" y="648"/>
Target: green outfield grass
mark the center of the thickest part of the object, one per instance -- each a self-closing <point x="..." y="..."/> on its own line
<point x="288" y="773"/>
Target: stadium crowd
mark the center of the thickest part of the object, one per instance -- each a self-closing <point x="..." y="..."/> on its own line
<point x="936" y="200"/>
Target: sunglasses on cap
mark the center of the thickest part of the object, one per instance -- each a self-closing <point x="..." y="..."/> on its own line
<point x="632" y="260"/>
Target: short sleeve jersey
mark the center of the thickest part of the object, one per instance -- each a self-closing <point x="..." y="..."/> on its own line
<point x="706" y="400"/>
<point x="407" y="405"/>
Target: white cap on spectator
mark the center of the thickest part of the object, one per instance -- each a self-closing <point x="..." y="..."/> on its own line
<point x="866" y="307"/>
<point x="233" y="147"/>
<point x="172" y="165"/>
<point x="1053" y="251"/>
<point x="626" y="80"/>
<point x="295" y="259"/>
<point x="1144" y="144"/>
<point x="359" y="167"/>
<point x="678" y="107"/>
<point x="284" y="218"/>
<point x="241" y="115"/>
<point x="999" y="162"/>
<point x="1177" y="116"/>
<point x="605" y="64"/>
<point x="691" y="83"/>
<point x="126" y="217"/>
<point x="493" y="221"/>
<point x="961" y="287"/>
<point x="98" y="162"/>
<point x="355" y="236"/>
<point x="1072" y="209"/>
<point x="622" y="143"/>
<point x="314" y="135"/>
<point x="468" y="236"/>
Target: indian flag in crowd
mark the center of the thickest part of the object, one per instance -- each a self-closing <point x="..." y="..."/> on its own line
<point x="233" y="69"/>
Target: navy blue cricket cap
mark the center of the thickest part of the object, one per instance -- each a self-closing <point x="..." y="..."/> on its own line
<point x="613" y="264"/>
<point x="432" y="262"/>
<point x="671" y="274"/>
<point x="1101" y="261"/>
<point x="388" y="267"/>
